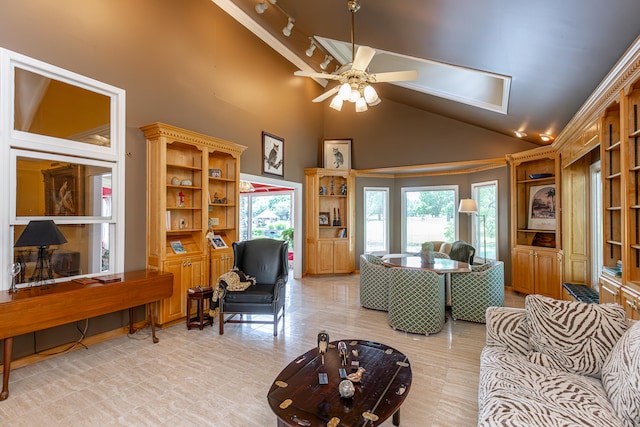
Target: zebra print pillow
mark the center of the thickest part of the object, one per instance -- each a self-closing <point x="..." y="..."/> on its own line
<point x="572" y="336"/>
<point x="621" y="376"/>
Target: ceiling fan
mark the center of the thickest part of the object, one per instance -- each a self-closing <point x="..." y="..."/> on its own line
<point x="355" y="81"/>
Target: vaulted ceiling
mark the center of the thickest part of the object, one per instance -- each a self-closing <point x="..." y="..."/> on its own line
<point x="552" y="52"/>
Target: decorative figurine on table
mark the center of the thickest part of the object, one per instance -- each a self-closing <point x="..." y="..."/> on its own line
<point x="323" y="343"/>
<point x="14" y="270"/>
<point x="356" y="376"/>
<point x="346" y="389"/>
<point x="344" y="353"/>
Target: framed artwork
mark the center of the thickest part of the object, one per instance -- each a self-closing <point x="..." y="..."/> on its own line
<point x="272" y="155"/>
<point x="324" y="218"/>
<point x="64" y="190"/>
<point x="337" y="154"/>
<point x="542" y="207"/>
<point x="218" y="242"/>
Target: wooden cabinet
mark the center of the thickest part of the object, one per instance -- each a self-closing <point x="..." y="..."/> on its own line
<point x="221" y="261"/>
<point x="609" y="289"/>
<point x="537" y="271"/>
<point x="192" y="189"/>
<point x="536" y="222"/>
<point x="330" y="221"/>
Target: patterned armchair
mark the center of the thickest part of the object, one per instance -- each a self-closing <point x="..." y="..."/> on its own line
<point x="374" y="283"/>
<point x="472" y="293"/>
<point x="416" y="301"/>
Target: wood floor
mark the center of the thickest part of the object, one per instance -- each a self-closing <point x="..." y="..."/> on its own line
<point x="198" y="378"/>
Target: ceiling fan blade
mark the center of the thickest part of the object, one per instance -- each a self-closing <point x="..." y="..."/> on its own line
<point x="327" y="94"/>
<point x="316" y="75"/>
<point x="394" y="76"/>
<point x="364" y="55"/>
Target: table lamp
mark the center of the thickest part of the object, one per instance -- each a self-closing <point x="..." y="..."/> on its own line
<point x="41" y="234"/>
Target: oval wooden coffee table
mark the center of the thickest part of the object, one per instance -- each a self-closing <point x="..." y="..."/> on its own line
<point x="298" y="399"/>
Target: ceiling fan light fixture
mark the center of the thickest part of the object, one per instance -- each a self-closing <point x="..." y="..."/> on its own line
<point x="374" y="103"/>
<point x="345" y="91"/>
<point x="354" y="96"/>
<point x="336" y="103"/>
<point x="262" y="6"/>
<point x="287" y="30"/>
<point x="326" y="61"/>
<point x="370" y="94"/>
<point x="361" y="105"/>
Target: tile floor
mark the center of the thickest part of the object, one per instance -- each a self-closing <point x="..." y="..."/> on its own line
<point x="199" y="378"/>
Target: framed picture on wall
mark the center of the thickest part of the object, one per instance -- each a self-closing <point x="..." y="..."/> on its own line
<point x="272" y="155"/>
<point x="64" y="190"/>
<point x="542" y="207"/>
<point x="337" y="154"/>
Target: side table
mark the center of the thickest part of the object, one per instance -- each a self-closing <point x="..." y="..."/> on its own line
<point x="202" y="319"/>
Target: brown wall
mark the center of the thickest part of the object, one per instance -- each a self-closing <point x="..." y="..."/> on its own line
<point x="189" y="64"/>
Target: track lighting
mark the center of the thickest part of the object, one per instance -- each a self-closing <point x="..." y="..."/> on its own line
<point x="312" y="48"/>
<point x="326" y="61"/>
<point x="287" y="30"/>
<point x="261" y="7"/>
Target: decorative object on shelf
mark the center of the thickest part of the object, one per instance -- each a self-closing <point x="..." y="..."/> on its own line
<point x="323" y="343"/>
<point x="343" y="189"/>
<point x="545" y="240"/>
<point x="186" y="182"/>
<point x="272" y="155"/>
<point x="323" y="190"/>
<point x="177" y="247"/>
<point x="217" y="241"/>
<point x="540" y="175"/>
<point x="175" y="181"/>
<point x="41" y="234"/>
<point x="213" y="221"/>
<point x="246" y="187"/>
<point x="14" y="270"/>
<point x="346" y="389"/>
<point x="337" y="154"/>
<point x="180" y="199"/>
<point x="324" y="218"/>
<point x="426" y="254"/>
<point x="331" y="186"/>
<point x="182" y="224"/>
<point x="355" y="82"/>
<point x="542" y="207"/>
<point x="215" y="173"/>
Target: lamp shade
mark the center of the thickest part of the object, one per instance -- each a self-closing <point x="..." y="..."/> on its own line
<point x="41" y="233"/>
<point x="468" y="206"/>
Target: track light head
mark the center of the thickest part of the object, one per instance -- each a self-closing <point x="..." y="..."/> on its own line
<point x="287" y="30"/>
<point x="325" y="63"/>
<point x="261" y="7"/>
<point x="312" y="48"/>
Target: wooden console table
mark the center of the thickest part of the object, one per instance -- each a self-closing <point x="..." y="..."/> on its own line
<point x="33" y="309"/>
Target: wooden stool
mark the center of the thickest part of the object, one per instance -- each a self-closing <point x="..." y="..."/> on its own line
<point x="201" y="319"/>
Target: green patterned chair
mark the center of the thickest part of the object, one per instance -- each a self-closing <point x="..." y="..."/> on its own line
<point x="472" y="293"/>
<point x="416" y="301"/>
<point x="374" y="283"/>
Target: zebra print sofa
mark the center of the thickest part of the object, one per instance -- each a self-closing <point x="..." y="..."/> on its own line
<point x="560" y="363"/>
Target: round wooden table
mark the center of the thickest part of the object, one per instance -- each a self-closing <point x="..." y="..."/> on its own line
<point x="298" y="399"/>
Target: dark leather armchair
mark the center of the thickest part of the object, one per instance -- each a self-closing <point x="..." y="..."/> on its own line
<point x="266" y="260"/>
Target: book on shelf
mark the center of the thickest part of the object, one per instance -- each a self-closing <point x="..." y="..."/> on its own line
<point x="177" y="247"/>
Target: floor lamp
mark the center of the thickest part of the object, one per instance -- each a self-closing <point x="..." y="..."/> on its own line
<point x="41" y="234"/>
<point x="469" y="206"/>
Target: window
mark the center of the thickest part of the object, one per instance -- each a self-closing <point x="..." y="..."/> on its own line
<point x="64" y="151"/>
<point x="266" y="215"/>
<point x="376" y="219"/>
<point x="485" y="230"/>
<point x="428" y="213"/>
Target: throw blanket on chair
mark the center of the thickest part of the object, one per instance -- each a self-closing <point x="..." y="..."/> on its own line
<point x="235" y="281"/>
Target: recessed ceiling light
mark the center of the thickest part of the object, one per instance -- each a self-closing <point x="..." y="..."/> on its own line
<point x="545" y="137"/>
<point x="520" y="134"/>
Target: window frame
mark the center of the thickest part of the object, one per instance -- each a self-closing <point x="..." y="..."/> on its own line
<point x="403" y="210"/>
<point x="386" y="233"/>
<point x="477" y="218"/>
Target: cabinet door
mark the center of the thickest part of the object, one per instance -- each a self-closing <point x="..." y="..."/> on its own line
<point x="631" y="303"/>
<point x="609" y="291"/>
<point x="325" y="257"/>
<point x="341" y="258"/>
<point x="221" y="262"/>
<point x="548" y="275"/>
<point x="195" y="274"/>
<point x="523" y="271"/>
<point x="172" y="308"/>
